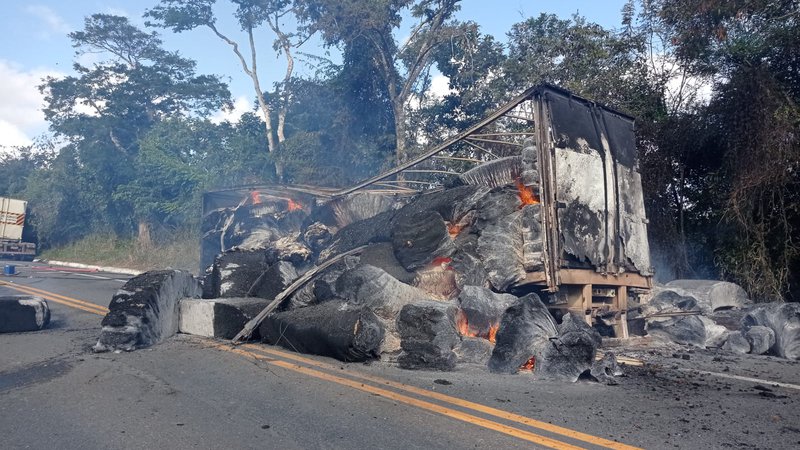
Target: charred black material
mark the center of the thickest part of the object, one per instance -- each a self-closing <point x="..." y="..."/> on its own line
<point x="428" y="335"/>
<point x="525" y="331"/>
<point x="570" y="354"/>
<point x="784" y="320"/>
<point x="483" y="308"/>
<point x="381" y="255"/>
<point x="235" y="272"/>
<point x="23" y="313"/>
<point x="419" y="238"/>
<point x="145" y="310"/>
<point x="274" y="280"/>
<point x="368" y="231"/>
<point x="474" y="350"/>
<point x="448" y="203"/>
<point x="327" y="329"/>
<point x="500" y="249"/>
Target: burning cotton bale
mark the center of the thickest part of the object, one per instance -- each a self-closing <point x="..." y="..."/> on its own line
<point x="500" y="242"/>
<point x="481" y="311"/>
<point x="328" y="329"/>
<point x="428" y="335"/>
<point x="145" y="311"/>
<point x="420" y="238"/>
<point x="525" y="331"/>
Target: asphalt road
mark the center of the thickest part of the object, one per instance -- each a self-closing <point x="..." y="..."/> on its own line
<point x="191" y="392"/>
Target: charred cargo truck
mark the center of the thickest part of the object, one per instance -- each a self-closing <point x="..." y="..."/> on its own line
<point x="560" y="210"/>
<point x="12" y="224"/>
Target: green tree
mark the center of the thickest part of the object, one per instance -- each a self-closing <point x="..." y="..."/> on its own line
<point x="752" y="49"/>
<point x="184" y="15"/>
<point x="370" y="26"/>
<point x="105" y="110"/>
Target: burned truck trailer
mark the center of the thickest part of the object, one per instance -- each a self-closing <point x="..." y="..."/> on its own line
<point x="579" y="232"/>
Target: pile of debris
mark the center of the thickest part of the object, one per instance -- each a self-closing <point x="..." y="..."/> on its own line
<point x="430" y="286"/>
<point x="718" y="314"/>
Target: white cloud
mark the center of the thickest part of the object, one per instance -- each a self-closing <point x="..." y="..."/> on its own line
<point x="12" y="136"/>
<point x="240" y="106"/>
<point x="21" y="115"/>
<point x="55" y="24"/>
<point x="440" y="86"/>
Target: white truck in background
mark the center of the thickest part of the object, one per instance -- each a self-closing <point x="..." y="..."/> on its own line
<point x="12" y="223"/>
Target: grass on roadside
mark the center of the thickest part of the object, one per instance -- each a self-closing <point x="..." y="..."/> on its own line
<point x="180" y="251"/>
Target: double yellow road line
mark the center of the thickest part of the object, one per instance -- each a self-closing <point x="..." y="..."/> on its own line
<point x="424" y="399"/>
<point x="58" y="298"/>
<point x="435" y="402"/>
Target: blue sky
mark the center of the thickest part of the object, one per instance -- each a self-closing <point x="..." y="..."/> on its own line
<point x="35" y="45"/>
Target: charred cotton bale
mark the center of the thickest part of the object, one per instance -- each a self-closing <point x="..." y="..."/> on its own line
<point x="381" y="255"/>
<point x="145" y="311"/>
<point x="525" y="331"/>
<point x="500" y="249"/>
<point x="419" y="238"/>
<point x="220" y="318"/>
<point x="711" y="295"/>
<point x="482" y="309"/>
<point x="468" y="266"/>
<point x="473" y="350"/>
<point x="606" y="368"/>
<point x="784" y="320"/>
<point x="23" y="313"/>
<point x="761" y="339"/>
<point x="235" y="272"/>
<point x="428" y="335"/>
<point x="370" y="287"/>
<point x="328" y="329"/>
<point x="532" y="244"/>
<point x="322" y="287"/>
<point x="274" y="280"/>
<point x="357" y="234"/>
<point x="737" y="343"/>
<point x="686" y="330"/>
<point x="570" y="354"/>
<point x="682" y="329"/>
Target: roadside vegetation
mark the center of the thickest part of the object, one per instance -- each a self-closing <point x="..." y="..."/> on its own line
<point x="181" y="251"/>
<point x="714" y="86"/>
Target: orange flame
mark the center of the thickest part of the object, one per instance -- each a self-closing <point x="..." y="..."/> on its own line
<point x="294" y="206"/>
<point x="255" y="197"/>
<point x="493" y="332"/>
<point x="526" y="194"/>
<point x="529" y="364"/>
<point x="453" y="229"/>
<point x="462" y="324"/>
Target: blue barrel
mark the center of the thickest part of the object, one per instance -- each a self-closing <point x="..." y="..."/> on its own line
<point x="10" y="269"/>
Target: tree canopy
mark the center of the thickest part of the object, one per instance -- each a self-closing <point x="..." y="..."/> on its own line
<point x="714" y="86"/>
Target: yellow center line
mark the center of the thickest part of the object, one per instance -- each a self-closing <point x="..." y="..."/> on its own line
<point x="458" y="415"/>
<point x="61" y="299"/>
<point x="588" y="438"/>
<point x="100" y="310"/>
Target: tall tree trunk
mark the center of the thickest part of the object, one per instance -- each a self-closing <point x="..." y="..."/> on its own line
<point x="143" y="238"/>
<point x="400" y="131"/>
